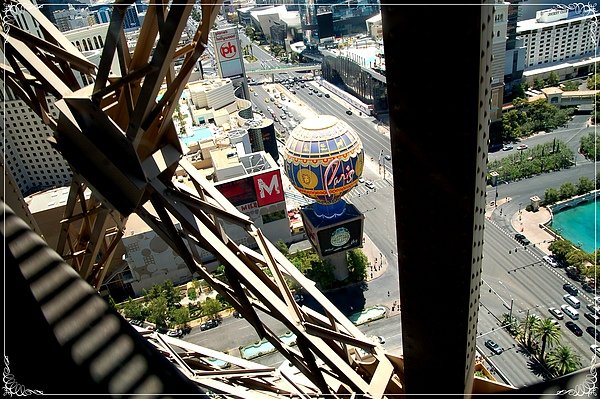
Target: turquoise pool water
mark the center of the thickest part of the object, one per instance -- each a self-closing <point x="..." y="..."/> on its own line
<point x="578" y="224"/>
<point x="196" y="135"/>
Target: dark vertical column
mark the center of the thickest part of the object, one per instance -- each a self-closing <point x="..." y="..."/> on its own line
<point x="437" y="63"/>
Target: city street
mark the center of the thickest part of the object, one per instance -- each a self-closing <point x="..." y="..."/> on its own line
<point x="513" y="277"/>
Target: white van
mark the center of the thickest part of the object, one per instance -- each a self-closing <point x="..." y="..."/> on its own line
<point x="571" y="300"/>
<point x="570" y="311"/>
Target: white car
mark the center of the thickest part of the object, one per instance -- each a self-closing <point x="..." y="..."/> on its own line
<point x="556" y="313"/>
<point x="550" y="260"/>
<point x="370" y="185"/>
<point x="596" y="349"/>
<point x="361" y="179"/>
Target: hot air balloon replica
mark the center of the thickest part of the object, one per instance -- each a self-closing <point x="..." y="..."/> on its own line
<point x="324" y="158"/>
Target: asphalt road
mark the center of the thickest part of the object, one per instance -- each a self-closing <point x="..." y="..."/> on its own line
<point x="509" y="276"/>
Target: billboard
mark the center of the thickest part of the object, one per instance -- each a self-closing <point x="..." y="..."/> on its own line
<point x="252" y="192"/>
<point x="330" y="237"/>
<point x="229" y="52"/>
<point x="268" y="188"/>
<point x="239" y="192"/>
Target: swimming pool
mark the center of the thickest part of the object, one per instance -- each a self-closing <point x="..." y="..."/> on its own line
<point x="578" y="224"/>
<point x="197" y="134"/>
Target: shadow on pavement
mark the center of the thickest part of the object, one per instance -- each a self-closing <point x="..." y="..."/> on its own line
<point x="348" y="300"/>
<point x="538" y="369"/>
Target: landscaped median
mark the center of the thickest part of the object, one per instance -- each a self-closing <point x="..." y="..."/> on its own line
<point x="264" y="347"/>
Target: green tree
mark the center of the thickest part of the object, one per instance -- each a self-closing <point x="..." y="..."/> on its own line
<point x="282" y="247"/>
<point x="551" y="195"/>
<point x="593" y="82"/>
<point x="192" y="294"/>
<point x="567" y="190"/>
<point x="518" y="91"/>
<point x="179" y="316"/>
<point x="527" y="327"/>
<point x="548" y="333"/>
<point x="561" y="249"/>
<point x="552" y="80"/>
<point x="511" y="125"/>
<point x="357" y="265"/>
<point x="321" y="272"/>
<point x="159" y="311"/>
<point x="112" y="304"/>
<point x="134" y="310"/>
<point x="589" y="146"/>
<point x="171" y="293"/>
<point x="563" y="360"/>
<point x="511" y="323"/>
<point x="571" y="85"/>
<point x="584" y="185"/>
<point x="538" y="84"/>
<point x="211" y="308"/>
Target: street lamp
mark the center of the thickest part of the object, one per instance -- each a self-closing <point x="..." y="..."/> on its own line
<point x="511" y="300"/>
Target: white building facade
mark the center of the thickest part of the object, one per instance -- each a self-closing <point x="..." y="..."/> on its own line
<point x="557" y="35"/>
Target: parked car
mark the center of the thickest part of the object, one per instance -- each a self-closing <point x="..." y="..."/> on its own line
<point x="571" y="289"/>
<point x="522" y="147"/>
<point x="556" y="313"/>
<point x="175" y="333"/>
<point x="574" y="328"/>
<point x="588" y="288"/>
<point x="593" y="308"/>
<point x="207" y="325"/>
<point x="549" y="259"/>
<point x="594" y="318"/>
<point x="593" y="332"/>
<point x="494" y="347"/>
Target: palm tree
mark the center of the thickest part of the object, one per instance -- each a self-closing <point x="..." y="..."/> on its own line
<point x="563" y="360"/>
<point x="548" y="332"/>
<point x="528" y="325"/>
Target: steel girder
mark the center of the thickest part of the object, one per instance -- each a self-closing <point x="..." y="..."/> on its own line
<point x="122" y="143"/>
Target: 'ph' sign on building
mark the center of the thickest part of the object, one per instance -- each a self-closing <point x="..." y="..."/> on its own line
<point x="229" y="54"/>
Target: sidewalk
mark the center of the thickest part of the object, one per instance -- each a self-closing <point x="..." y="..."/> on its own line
<point x="526" y="223"/>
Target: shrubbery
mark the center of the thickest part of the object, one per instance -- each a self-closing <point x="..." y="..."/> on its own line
<point x="539" y="159"/>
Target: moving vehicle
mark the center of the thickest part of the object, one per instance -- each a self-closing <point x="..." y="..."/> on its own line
<point x="572" y="313"/>
<point x="494" y="347"/>
<point x="594" y="318"/>
<point x="549" y="259"/>
<point x="593" y="332"/>
<point x="175" y="333"/>
<point x="556" y="313"/>
<point x="326" y="95"/>
<point x="388" y="157"/>
<point x="522" y="147"/>
<point x="571" y="300"/>
<point x="574" y="328"/>
<point x="522" y="239"/>
<point x="507" y="147"/>
<point x="207" y="325"/>
<point x="370" y="184"/>
<point x="596" y="349"/>
<point x="349" y="112"/>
